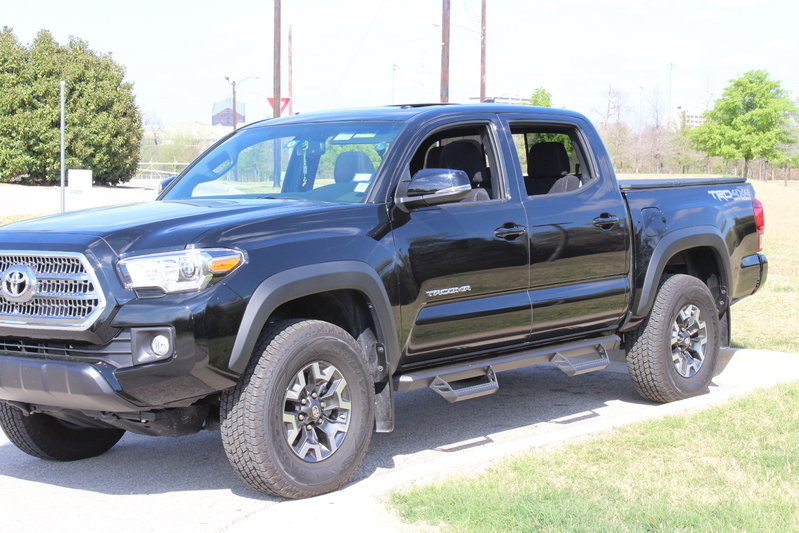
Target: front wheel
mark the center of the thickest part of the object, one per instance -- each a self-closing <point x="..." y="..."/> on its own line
<point x="299" y="422"/>
<point x="672" y="355"/>
<point x="46" y="437"/>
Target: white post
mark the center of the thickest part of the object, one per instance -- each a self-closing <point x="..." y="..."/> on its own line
<point x="62" y="145"/>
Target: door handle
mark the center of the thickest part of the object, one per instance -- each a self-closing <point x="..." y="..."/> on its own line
<point x="509" y="231"/>
<point x="606" y="221"/>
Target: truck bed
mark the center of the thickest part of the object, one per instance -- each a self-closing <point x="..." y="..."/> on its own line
<point x="668" y="183"/>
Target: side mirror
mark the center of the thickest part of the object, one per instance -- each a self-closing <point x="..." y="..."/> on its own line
<point x="433" y="186"/>
<point x="165" y="183"/>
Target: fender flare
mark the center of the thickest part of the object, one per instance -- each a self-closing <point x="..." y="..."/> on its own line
<point x="670" y="245"/>
<point x="307" y="280"/>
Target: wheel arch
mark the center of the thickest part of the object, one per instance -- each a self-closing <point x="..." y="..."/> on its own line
<point x="698" y="251"/>
<point x="332" y="282"/>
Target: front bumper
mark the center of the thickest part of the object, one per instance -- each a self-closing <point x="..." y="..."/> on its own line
<point x="67" y="385"/>
<point x="118" y="375"/>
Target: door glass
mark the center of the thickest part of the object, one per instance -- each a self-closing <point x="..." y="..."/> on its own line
<point x="465" y="149"/>
<point x="550" y="158"/>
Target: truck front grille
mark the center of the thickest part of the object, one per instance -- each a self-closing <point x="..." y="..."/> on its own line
<point x="48" y="290"/>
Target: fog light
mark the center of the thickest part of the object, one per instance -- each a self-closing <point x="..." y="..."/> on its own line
<point x="160" y="345"/>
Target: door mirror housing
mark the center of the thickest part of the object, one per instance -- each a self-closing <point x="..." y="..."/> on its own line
<point x="165" y="183"/>
<point x="433" y="186"/>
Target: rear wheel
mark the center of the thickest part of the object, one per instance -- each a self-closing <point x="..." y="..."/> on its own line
<point x="672" y="355"/>
<point x="48" y="438"/>
<point x="301" y="417"/>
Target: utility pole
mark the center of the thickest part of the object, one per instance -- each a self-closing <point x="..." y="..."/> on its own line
<point x="445" y="51"/>
<point x="276" y="148"/>
<point x="291" y="78"/>
<point x="483" y="54"/>
<point x="276" y="62"/>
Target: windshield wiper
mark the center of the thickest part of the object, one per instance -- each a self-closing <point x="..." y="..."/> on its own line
<point x="277" y="198"/>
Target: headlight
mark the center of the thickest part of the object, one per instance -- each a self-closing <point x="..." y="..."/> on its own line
<point x="183" y="271"/>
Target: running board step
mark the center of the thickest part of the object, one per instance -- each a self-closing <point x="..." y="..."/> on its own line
<point x="574" y="364"/>
<point x="573" y="358"/>
<point x="468" y="389"/>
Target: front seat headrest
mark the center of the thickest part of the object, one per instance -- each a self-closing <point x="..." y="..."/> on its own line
<point x="350" y="163"/>
<point x="465" y="155"/>
<point x="547" y="160"/>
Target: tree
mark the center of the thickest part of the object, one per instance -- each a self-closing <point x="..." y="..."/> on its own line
<point x="103" y="123"/>
<point x="748" y="122"/>
<point x="541" y="98"/>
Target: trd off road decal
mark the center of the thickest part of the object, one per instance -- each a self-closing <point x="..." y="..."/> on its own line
<point x="725" y="195"/>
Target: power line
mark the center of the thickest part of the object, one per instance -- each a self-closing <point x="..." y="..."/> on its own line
<point x="357" y="51"/>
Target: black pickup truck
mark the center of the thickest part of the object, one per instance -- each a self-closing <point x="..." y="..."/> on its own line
<point x="303" y="270"/>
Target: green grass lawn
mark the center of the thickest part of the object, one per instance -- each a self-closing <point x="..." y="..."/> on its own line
<point x="768" y="319"/>
<point x="728" y="468"/>
<point x="14" y="218"/>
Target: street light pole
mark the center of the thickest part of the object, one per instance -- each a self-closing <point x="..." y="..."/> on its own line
<point x="233" y="84"/>
<point x="235" y="116"/>
<point x="63" y="98"/>
<point x="393" y="72"/>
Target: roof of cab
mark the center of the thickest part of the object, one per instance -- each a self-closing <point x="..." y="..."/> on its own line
<point x="406" y="112"/>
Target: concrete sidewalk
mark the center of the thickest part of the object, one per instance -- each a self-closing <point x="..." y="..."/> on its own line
<point x="185" y="484"/>
<point x="37" y="200"/>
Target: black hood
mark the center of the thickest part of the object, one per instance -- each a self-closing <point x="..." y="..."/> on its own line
<point x="160" y="224"/>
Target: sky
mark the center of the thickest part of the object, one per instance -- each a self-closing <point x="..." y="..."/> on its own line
<point x="356" y="53"/>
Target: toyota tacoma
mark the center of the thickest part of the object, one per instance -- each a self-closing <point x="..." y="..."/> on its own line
<point x="303" y="270"/>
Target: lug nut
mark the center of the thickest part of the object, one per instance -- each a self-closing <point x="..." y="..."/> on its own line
<point x="313" y="395"/>
<point x="304" y="401"/>
<point x="301" y="416"/>
<point x="322" y="404"/>
<point x="309" y="426"/>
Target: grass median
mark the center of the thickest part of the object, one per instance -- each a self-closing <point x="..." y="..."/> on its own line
<point x="8" y="219"/>
<point x="729" y="468"/>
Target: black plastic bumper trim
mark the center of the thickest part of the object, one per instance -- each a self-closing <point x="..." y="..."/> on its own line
<point x="63" y="384"/>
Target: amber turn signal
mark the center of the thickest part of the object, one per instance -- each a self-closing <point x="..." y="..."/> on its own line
<point x="224" y="264"/>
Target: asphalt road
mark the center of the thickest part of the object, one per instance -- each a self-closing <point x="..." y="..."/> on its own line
<point x="185" y="484"/>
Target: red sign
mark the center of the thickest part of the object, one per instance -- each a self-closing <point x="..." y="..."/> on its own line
<point x="284" y="102"/>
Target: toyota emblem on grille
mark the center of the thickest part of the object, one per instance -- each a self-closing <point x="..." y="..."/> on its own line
<point x="19" y="284"/>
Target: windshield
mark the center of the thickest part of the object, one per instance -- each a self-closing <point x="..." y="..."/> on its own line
<point x="328" y="162"/>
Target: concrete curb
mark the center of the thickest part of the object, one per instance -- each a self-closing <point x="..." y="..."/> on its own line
<point x="363" y="502"/>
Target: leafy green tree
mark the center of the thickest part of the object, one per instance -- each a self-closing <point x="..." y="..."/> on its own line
<point x="541" y="98"/>
<point x="748" y="122"/>
<point x="103" y="123"/>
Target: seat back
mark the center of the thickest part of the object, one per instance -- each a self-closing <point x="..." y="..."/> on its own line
<point x="547" y="162"/>
<point x="348" y="164"/>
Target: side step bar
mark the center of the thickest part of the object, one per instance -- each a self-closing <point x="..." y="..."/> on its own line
<point x="470" y="388"/>
<point x="575" y="364"/>
<point x="572" y="358"/>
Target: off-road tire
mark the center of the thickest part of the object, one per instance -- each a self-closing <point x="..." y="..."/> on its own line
<point x="253" y="433"/>
<point x="649" y="353"/>
<point x="48" y="438"/>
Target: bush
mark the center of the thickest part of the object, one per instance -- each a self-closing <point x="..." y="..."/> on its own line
<point x="103" y="123"/>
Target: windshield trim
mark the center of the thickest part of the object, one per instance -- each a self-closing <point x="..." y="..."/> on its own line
<point x="398" y="128"/>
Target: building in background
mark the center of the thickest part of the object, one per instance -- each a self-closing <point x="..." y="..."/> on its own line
<point x="687" y="119"/>
<point x="222" y="114"/>
<point x="501" y="100"/>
